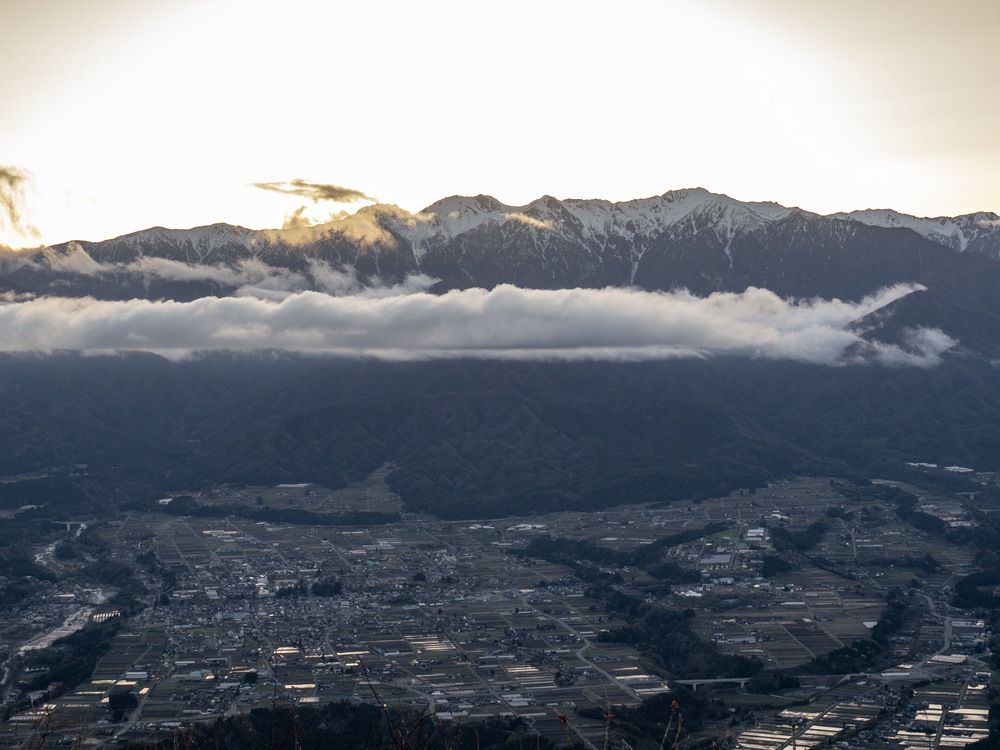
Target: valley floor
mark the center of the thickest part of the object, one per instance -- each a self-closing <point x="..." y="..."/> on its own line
<point x="440" y="616"/>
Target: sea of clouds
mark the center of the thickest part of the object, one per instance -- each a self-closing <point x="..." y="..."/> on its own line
<point x="271" y="311"/>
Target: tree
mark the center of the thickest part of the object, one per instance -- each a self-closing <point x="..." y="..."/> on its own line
<point x="121" y="703"/>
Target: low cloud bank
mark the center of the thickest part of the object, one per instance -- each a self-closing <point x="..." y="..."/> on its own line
<point x="248" y="278"/>
<point x="505" y="323"/>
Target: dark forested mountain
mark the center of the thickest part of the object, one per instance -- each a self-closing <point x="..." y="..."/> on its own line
<point x="477" y="438"/>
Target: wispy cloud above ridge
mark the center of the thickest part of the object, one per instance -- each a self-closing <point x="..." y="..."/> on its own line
<point x="504" y="323"/>
<point x="13" y="182"/>
<point x="317" y="192"/>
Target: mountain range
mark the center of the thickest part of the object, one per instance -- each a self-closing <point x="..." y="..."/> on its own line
<point x="471" y="437"/>
<point x="694" y="239"/>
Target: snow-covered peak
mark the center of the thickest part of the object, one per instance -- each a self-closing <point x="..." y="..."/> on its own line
<point x="208" y="237"/>
<point x="465" y="205"/>
<point x="700" y="199"/>
<point x="649" y="216"/>
<point x="458" y="214"/>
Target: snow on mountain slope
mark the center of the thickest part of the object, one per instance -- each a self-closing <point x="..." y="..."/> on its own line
<point x="592" y="222"/>
<point x="200" y="241"/>
<point x="646" y="216"/>
<point x="691" y="238"/>
<point x="598" y="218"/>
<point x="457" y="214"/>
<point x="978" y="232"/>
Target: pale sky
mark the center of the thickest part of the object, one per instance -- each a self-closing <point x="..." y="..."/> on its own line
<point x="124" y="114"/>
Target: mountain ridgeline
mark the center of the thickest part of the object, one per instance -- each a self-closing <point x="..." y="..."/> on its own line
<point x="689" y="238"/>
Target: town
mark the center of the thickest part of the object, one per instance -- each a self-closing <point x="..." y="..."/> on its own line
<point x="458" y="619"/>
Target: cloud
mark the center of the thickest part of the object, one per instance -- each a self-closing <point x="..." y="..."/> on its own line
<point x="530" y="221"/>
<point x="248" y="278"/>
<point x="923" y="348"/>
<point x="504" y="323"/>
<point x="77" y="260"/>
<point x="13" y="182"/>
<point x="11" y="260"/>
<point x="346" y="283"/>
<point x="297" y="218"/>
<point x="174" y="270"/>
<point x="9" y="297"/>
<point x="315" y="191"/>
<point x="254" y="278"/>
<point x="247" y="275"/>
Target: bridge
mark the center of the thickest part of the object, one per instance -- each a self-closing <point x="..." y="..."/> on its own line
<point x="694" y="684"/>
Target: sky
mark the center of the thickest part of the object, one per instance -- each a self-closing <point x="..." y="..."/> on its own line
<point x="121" y="115"/>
